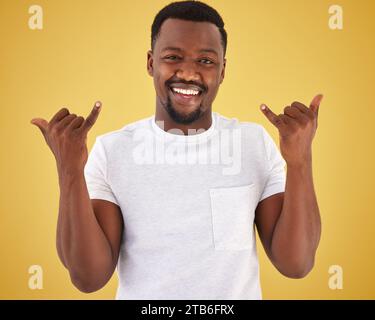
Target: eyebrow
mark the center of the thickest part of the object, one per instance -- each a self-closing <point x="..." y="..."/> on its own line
<point x="179" y="49"/>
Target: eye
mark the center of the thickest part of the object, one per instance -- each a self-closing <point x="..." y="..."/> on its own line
<point x="172" y="58"/>
<point x="206" y="61"/>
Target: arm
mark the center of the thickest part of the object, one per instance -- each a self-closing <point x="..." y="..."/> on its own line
<point x="289" y="223"/>
<point x="88" y="234"/>
<point x="88" y="231"/>
<point x="297" y="232"/>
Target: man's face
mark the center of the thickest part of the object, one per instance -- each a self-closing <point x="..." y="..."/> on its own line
<point x="187" y="64"/>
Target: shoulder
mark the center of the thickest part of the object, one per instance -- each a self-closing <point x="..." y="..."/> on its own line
<point x="250" y="130"/>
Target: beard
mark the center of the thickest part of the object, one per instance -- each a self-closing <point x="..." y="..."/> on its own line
<point x="182" y="118"/>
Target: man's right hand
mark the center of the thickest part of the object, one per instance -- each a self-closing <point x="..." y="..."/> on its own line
<point x="66" y="135"/>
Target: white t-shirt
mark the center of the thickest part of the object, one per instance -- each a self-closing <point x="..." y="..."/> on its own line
<point x="188" y="206"/>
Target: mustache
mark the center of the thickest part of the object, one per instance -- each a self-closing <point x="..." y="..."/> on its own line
<point x="200" y="85"/>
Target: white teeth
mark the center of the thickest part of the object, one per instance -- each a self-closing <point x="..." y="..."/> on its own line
<point x="187" y="92"/>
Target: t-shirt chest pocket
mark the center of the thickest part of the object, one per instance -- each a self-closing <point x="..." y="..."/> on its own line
<point x="233" y="211"/>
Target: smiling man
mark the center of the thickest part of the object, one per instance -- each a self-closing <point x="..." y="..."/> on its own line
<point x="156" y="198"/>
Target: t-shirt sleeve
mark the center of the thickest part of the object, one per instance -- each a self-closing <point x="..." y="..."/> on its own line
<point x="96" y="174"/>
<point x="276" y="176"/>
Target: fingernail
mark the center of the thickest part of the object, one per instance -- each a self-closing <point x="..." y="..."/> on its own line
<point x="263" y="107"/>
<point x="98" y="104"/>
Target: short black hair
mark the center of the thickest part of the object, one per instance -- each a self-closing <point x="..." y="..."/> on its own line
<point x="190" y="11"/>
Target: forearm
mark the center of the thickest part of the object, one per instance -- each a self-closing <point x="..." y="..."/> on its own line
<point x="82" y="245"/>
<point x="297" y="232"/>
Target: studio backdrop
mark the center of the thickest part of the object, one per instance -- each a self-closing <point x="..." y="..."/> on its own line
<point x="73" y="53"/>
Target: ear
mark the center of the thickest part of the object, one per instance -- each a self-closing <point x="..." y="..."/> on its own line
<point x="223" y="71"/>
<point x="150" y="61"/>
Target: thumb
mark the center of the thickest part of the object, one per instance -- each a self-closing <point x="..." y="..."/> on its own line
<point x="41" y="124"/>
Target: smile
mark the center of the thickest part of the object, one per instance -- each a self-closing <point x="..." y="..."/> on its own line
<point x="186" y="96"/>
<point x="186" y="92"/>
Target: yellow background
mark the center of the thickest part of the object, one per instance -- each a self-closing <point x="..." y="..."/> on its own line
<point x="278" y="52"/>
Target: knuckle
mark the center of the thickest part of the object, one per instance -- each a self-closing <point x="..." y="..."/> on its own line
<point x="295" y="104"/>
<point x="295" y="108"/>
<point x="69" y="118"/>
<point x="64" y="109"/>
<point x="79" y="120"/>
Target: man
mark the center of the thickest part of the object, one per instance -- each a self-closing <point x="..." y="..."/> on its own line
<point x="163" y="200"/>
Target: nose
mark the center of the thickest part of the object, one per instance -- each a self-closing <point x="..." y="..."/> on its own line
<point x="187" y="71"/>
